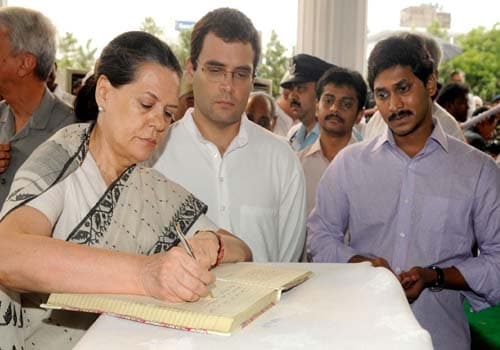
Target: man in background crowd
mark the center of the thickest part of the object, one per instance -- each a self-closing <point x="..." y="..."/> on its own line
<point x="341" y="95"/>
<point x="261" y="109"/>
<point x="30" y="113"/>
<point x="305" y="70"/>
<point x="453" y="98"/>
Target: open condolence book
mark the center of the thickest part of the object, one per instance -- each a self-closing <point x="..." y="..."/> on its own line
<point x="241" y="293"/>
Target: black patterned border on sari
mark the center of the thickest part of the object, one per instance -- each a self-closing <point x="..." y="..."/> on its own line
<point x="10" y="315"/>
<point x="93" y="226"/>
<point x="187" y="214"/>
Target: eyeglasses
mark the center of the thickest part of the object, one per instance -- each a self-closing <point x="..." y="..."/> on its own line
<point x="217" y="74"/>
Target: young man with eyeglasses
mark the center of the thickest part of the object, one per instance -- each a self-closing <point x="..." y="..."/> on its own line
<point x="250" y="179"/>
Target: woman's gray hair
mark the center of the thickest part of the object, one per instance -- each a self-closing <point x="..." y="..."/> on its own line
<point x="31" y="31"/>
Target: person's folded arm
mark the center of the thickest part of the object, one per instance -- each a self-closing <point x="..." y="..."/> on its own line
<point x="214" y="247"/>
<point x="235" y="249"/>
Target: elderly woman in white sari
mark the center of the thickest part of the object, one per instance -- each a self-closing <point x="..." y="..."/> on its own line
<point x="85" y="216"/>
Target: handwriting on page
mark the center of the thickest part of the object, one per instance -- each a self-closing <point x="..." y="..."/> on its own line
<point x="229" y="299"/>
<point x="256" y="275"/>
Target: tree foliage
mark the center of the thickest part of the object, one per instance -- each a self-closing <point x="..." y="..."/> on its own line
<point x="182" y="47"/>
<point x="436" y="30"/>
<point x="149" y="25"/>
<point x="274" y="62"/>
<point x="480" y="60"/>
<point x="73" y="55"/>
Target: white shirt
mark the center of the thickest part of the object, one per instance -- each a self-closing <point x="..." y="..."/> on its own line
<point x="283" y="122"/>
<point x="376" y="125"/>
<point x="255" y="190"/>
<point x="314" y="164"/>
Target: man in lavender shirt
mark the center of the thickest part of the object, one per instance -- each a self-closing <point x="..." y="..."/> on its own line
<point x="414" y="200"/>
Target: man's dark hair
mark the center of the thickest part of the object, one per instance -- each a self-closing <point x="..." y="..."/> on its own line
<point x="229" y="25"/>
<point x="450" y="92"/>
<point x="405" y="49"/>
<point x="343" y="77"/>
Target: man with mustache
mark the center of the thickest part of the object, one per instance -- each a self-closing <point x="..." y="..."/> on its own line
<point x="376" y="124"/>
<point x="415" y="200"/>
<point x="250" y="179"/>
<point x="341" y="96"/>
<point x="304" y="72"/>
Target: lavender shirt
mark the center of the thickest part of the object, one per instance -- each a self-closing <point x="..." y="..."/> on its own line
<point x="429" y="209"/>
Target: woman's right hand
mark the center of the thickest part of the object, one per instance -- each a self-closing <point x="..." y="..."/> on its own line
<point x="174" y="276"/>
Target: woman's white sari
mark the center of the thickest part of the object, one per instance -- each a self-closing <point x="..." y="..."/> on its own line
<point x="137" y="214"/>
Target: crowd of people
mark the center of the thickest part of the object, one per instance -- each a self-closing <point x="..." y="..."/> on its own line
<point x="94" y="194"/>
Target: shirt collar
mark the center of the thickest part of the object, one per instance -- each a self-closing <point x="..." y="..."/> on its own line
<point x="316" y="146"/>
<point x="313" y="148"/>
<point x="41" y="116"/>
<point x="240" y="140"/>
<point x="315" y="130"/>
<point x="5" y="112"/>
<point x="437" y="135"/>
<point x="386" y="136"/>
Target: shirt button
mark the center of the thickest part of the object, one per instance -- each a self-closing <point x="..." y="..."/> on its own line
<point x="3" y="181"/>
<point x="402" y="234"/>
<point x="215" y="155"/>
<point x="221" y="179"/>
<point x="222" y="208"/>
<point x="406" y="201"/>
<point x="398" y="270"/>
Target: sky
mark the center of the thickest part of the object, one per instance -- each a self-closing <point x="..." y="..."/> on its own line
<point x="101" y="20"/>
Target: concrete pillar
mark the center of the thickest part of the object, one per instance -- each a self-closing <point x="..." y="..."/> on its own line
<point x="334" y="30"/>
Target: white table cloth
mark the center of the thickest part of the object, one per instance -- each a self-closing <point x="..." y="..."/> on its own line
<point x="343" y="306"/>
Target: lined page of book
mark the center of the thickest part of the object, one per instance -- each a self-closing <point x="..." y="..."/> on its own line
<point x="278" y="277"/>
<point x="231" y="302"/>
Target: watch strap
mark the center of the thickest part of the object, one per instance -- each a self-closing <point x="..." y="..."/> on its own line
<point x="439" y="283"/>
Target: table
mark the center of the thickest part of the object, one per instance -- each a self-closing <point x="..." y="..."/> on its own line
<point x="343" y="306"/>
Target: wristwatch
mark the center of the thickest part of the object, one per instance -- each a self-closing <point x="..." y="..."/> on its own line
<point x="439" y="283"/>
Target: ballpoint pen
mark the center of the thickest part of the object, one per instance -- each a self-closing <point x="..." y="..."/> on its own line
<point x="187" y="247"/>
<point x="184" y="241"/>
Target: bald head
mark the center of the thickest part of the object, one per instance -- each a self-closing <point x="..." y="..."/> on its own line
<point x="261" y="110"/>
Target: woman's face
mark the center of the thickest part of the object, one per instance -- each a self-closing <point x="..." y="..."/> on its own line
<point x="136" y="115"/>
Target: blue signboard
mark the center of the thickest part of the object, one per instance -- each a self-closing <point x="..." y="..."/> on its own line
<point x="180" y="25"/>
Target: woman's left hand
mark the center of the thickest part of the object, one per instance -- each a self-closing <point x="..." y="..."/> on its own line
<point x="205" y="246"/>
